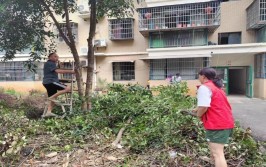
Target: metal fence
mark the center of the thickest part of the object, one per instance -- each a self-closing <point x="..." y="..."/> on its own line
<point x="195" y="15"/>
<point x="256" y="14"/>
<point x="188" y="68"/>
<point x="260" y="66"/>
<point x="179" y="39"/>
<point x="16" y="71"/>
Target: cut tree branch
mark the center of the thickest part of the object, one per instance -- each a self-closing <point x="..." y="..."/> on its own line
<point x="120" y="134"/>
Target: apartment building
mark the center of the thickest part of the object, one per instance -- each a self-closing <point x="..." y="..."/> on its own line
<point x="185" y="36"/>
<point x="165" y="37"/>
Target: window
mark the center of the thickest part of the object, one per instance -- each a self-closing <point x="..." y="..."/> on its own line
<point x="261" y="35"/>
<point x="123" y="71"/>
<point x="74" y="29"/>
<point x="229" y="38"/>
<point x="260" y="66"/>
<point x="15" y="71"/>
<point x="187" y="67"/>
<point x="262" y="10"/>
<point x="178" y="39"/>
<point x="121" y="29"/>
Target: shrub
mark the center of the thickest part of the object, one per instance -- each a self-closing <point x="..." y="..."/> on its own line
<point x="34" y="105"/>
<point x="156" y="122"/>
<point x="8" y="100"/>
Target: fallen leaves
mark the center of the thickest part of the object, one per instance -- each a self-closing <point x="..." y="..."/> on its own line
<point x="50" y="155"/>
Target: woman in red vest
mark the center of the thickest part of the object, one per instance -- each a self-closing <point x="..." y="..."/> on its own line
<point x="216" y="114"/>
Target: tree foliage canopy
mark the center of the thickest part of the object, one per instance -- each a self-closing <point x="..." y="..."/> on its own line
<point x="27" y="24"/>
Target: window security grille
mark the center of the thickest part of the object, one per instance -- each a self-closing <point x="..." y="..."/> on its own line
<point x="256" y="14"/>
<point x="15" y="71"/>
<point x="260" y="66"/>
<point x="187" y="67"/>
<point x="204" y="14"/>
<point x="179" y="39"/>
<point x="121" y="29"/>
<point x="74" y="29"/>
<point x="123" y="71"/>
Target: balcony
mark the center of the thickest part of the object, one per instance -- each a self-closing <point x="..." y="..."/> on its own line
<point x="256" y="14"/>
<point x="178" y="39"/>
<point x="204" y="15"/>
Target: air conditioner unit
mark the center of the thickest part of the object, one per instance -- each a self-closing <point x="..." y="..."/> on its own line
<point x="83" y="8"/>
<point x="83" y="63"/>
<point x="100" y="43"/>
<point x="84" y="50"/>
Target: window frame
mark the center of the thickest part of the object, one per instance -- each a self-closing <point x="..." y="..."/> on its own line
<point x="260" y="66"/>
<point x="229" y="33"/>
<point x="161" y="69"/>
<point x="124" y="32"/>
<point x="16" y="71"/>
<point x="74" y="29"/>
<point x="123" y="73"/>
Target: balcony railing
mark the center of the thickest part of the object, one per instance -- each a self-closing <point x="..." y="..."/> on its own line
<point x="178" y="17"/>
<point x="178" y="39"/>
<point x="256" y="14"/>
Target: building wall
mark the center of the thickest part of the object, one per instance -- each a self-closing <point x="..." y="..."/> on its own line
<point x="138" y="44"/>
<point x="154" y="3"/>
<point x="232" y="60"/>
<point x="233" y="19"/>
<point x="260" y="88"/>
<point x="23" y="86"/>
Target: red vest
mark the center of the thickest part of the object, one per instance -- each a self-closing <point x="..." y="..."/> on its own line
<point x="219" y="114"/>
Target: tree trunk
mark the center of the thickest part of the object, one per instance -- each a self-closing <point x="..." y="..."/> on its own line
<point x="90" y="55"/>
<point x="73" y="48"/>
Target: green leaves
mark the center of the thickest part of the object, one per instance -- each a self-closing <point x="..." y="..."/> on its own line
<point x="21" y="27"/>
<point x="115" y="8"/>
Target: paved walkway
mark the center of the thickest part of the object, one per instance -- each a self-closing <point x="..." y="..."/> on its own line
<point x="250" y="113"/>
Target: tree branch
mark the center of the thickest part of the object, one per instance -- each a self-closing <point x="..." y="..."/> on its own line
<point x="92" y="19"/>
<point x="69" y="31"/>
<point x="55" y="21"/>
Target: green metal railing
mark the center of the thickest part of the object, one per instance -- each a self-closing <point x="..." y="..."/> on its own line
<point x="179" y="39"/>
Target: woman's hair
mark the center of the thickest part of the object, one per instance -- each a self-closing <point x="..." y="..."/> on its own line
<point x="210" y="73"/>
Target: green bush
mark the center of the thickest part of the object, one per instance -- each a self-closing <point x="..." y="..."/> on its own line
<point x="157" y="123"/>
<point x="153" y="123"/>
